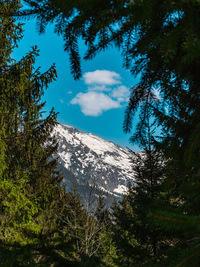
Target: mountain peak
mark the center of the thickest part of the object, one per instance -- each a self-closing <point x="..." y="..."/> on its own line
<point x="88" y="161"/>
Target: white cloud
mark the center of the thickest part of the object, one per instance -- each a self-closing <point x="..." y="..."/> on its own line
<point x="94" y="103"/>
<point x="121" y="93"/>
<point x="69" y="92"/>
<point x="104" y="92"/>
<point x="61" y="101"/>
<point x="103" y="77"/>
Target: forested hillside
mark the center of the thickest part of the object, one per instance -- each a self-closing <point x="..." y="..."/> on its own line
<point x="157" y="222"/>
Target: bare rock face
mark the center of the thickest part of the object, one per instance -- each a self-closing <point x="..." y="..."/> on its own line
<point x="91" y="164"/>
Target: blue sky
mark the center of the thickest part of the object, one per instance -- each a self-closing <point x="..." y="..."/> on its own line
<point x="95" y="103"/>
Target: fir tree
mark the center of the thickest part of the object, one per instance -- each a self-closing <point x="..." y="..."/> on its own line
<point x="139" y="240"/>
<point x="28" y="179"/>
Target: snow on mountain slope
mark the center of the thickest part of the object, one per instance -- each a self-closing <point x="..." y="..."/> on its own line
<point x="89" y="162"/>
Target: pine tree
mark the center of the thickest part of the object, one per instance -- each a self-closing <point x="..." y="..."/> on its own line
<point x="139" y="240"/>
<point x="28" y="178"/>
<point x="10" y="34"/>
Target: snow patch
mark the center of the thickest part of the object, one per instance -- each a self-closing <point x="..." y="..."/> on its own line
<point x="66" y="157"/>
<point x="95" y="143"/>
<point x="121" y="189"/>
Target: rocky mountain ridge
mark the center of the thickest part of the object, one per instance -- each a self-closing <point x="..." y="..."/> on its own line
<point x="89" y="162"/>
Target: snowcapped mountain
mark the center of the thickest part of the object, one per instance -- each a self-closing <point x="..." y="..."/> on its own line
<point x="88" y="163"/>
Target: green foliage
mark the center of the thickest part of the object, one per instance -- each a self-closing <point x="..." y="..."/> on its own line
<point x="140" y="241"/>
<point x="28" y="179"/>
<point x="17" y="211"/>
<point x="158" y="39"/>
<point x="184" y="250"/>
